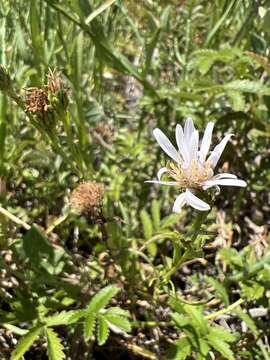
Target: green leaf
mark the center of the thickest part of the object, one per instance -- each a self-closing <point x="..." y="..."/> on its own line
<point x="25" y="342"/>
<point x="220" y="289"/>
<point x="102" y="298"/>
<point x="197" y="317"/>
<point x="117" y="311"/>
<point x="180" y="320"/>
<point x="99" y="10"/>
<point x="89" y="325"/>
<point x="221" y="346"/>
<point x="237" y="100"/>
<point x="252" y="290"/>
<point x="103" y="330"/>
<point x="36" y="31"/>
<point x="55" y="348"/>
<point x="155" y="210"/>
<point x="118" y="321"/>
<point x="248" y="320"/>
<point x="65" y="318"/>
<point x="147" y="225"/>
<point x="41" y="254"/>
<point x="16" y="330"/>
<point x="222" y="334"/>
<point x="99" y="301"/>
<point x="180" y="350"/>
<point x="254" y="87"/>
<point x="148" y="231"/>
<point x="232" y="257"/>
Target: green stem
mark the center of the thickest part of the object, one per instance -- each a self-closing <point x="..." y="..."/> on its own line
<point x="14" y="218"/>
<point x="224" y="311"/>
<point x="187" y="255"/>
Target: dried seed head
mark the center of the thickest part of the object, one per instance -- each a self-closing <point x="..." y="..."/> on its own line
<point x="49" y="100"/>
<point x="57" y="90"/>
<point x="36" y="100"/>
<point x="54" y="83"/>
<point x="87" y="197"/>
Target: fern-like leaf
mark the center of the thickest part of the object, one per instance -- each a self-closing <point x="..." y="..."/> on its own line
<point x="102" y="298"/>
<point x="25" y="343"/>
<point x="89" y="325"/>
<point x="55" y="348"/>
<point x="65" y="318"/>
<point x="103" y="330"/>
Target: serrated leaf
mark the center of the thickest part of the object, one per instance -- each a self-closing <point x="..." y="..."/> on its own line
<point x="237" y="100"/>
<point x="103" y="330"/>
<point x="220" y="289"/>
<point x="220" y="346"/>
<point x="249" y="86"/>
<point x="102" y="298"/>
<point x="180" y="350"/>
<point x="65" y="317"/>
<point x="25" y="343"/>
<point x="89" y="325"/>
<point x="55" y="347"/>
<point x="180" y="319"/>
<point x="222" y="334"/>
<point x="117" y="311"/>
<point x="232" y="257"/>
<point x="118" y="321"/>
<point x="248" y="320"/>
<point x="197" y="317"/>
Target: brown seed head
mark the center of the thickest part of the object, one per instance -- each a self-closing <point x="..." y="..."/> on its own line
<point x="36" y="100"/>
<point x="87" y="197"/>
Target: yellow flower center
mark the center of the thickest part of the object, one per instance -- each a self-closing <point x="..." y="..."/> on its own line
<point x="191" y="176"/>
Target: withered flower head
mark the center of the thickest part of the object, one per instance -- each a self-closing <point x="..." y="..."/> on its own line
<point x="54" y="82"/>
<point x="51" y="99"/>
<point x="87" y="197"/>
<point x="36" y="100"/>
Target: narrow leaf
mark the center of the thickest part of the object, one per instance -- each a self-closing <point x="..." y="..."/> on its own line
<point x="25" y="343"/>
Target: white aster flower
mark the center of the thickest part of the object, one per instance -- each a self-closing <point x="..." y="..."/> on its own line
<point x="191" y="169"/>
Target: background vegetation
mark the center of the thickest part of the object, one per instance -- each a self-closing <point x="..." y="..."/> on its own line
<point x="106" y="282"/>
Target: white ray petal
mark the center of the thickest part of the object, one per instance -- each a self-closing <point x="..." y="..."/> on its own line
<point x="206" y="141"/>
<point x="193" y="145"/>
<point x="179" y="203"/>
<point x="166" y="145"/>
<point x="180" y="140"/>
<point x="225" y="182"/>
<point x="188" y="129"/>
<point x="218" y="150"/>
<point x="224" y="176"/>
<point x="195" y="202"/>
<point x="170" y="183"/>
<point x="161" y="172"/>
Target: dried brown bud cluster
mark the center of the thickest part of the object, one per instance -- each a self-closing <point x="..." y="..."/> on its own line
<point x="36" y="100"/>
<point x="52" y="97"/>
<point x="87" y="197"/>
